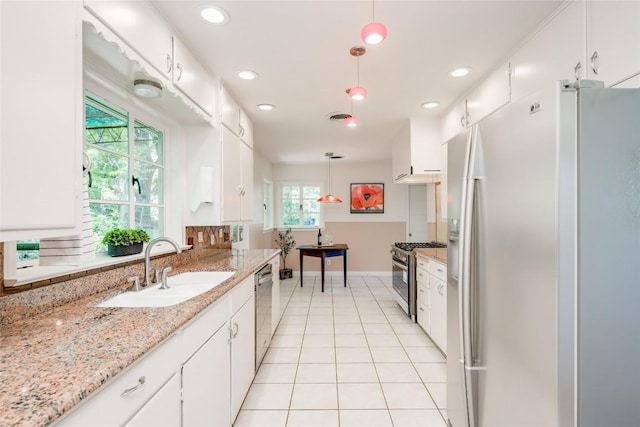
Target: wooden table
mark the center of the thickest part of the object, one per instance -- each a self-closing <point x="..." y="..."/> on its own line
<point x="324" y="252"/>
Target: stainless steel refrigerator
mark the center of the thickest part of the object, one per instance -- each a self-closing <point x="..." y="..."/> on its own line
<point x="544" y="262"/>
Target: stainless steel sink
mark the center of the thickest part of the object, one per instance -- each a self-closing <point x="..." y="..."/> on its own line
<point x="181" y="288"/>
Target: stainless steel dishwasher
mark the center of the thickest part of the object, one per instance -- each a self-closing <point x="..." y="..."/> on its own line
<point x="263" y="289"/>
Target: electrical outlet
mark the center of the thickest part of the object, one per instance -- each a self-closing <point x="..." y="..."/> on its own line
<point x="328" y="261"/>
<point x="200" y="237"/>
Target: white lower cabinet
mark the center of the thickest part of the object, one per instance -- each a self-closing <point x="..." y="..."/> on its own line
<point x="438" y="304"/>
<point x="197" y="377"/>
<point x="206" y="381"/>
<point x="163" y="410"/>
<point x="423" y="315"/>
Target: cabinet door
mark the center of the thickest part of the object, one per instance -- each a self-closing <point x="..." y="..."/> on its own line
<point x="423" y="317"/>
<point x="192" y="78"/>
<point x="231" y="177"/>
<point x="243" y="362"/>
<point x="426" y="146"/>
<point x="162" y="410"/>
<point x="454" y="121"/>
<point x="401" y="153"/>
<point x="41" y="125"/>
<point x="206" y="382"/>
<point x="613" y="40"/>
<point x="141" y="26"/>
<point x="490" y="95"/>
<point x="246" y="129"/>
<point x="247" y="182"/>
<point x="230" y="111"/>
<point x="438" y="294"/>
<point x="551" y="54"/>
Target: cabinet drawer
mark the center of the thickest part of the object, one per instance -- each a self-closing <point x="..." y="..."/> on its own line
<point x="156" y="367"/>
<point x="438" y="270"/>
<point x="241" y="294"/>
<point x="422" y="277"/>
<point x="423" y="317"/>
<point x="422" y="263"/>
<point x="423" y="295"/>
<point x="204" y="326"/>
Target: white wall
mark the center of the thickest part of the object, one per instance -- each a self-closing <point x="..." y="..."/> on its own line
<point x="343" y="173"/>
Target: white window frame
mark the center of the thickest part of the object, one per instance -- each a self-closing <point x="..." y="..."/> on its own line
<point x="134" y="116"/>
<point x="279" y="211"/>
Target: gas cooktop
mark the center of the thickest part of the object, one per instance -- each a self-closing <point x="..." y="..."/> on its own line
<point x="409" y="246"/>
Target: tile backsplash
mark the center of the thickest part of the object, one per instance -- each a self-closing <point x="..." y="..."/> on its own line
<point x="213" y="236"/>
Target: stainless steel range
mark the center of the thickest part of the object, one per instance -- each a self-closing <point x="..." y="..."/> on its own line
<point x="403" y="269"/>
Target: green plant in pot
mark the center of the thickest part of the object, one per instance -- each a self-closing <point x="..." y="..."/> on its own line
<point x="125" y="241"/>
<point x="285" y="243"/>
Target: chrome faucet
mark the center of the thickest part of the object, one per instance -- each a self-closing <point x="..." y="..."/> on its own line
<point x="147" y="260"/>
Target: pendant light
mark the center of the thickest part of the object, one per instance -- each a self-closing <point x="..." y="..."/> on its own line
<point x="351" y="121"/>
<point x="330" y="198"/>
<point x="357" y="93"/>
<point x="374" y="32"/>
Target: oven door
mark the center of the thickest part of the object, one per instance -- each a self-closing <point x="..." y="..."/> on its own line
<point x="401" y="280"/>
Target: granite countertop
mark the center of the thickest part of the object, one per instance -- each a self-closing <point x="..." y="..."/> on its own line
<point x="438" y="254"/>
<point x="50" y="361"/>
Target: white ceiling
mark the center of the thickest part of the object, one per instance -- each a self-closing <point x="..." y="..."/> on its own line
<point x="301" y="51"/>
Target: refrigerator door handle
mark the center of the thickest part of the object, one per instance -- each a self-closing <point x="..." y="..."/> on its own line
<point x="465" y="301"/>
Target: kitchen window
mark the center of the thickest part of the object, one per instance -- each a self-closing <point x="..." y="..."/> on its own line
<point x="127" y="172"/>
<point x="299" y="204"/>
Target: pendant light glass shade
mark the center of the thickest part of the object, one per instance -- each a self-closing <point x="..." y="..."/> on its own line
<point x="357" y="93"/>
<point x="330" y="198"/>
<point x="352" y="122"/>
<point x="373" y="33"/>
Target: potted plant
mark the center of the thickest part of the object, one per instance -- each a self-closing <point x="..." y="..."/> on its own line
<point x="125" y="241"/>
<point x="285" y="243"/>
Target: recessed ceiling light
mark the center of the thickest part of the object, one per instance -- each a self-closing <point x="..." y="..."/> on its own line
<point x="460" y="72"/>
<point x="214" y="15"/>
<point x="430" y="104"/>
<point x="266" y="107"/>
<point x="247" y="75"/>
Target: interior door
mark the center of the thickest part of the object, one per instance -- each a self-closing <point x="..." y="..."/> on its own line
<point x="418" y="207"/>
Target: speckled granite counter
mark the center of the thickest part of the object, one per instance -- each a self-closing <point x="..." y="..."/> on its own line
<point x="52" y="360"/>
<point x="438" y="254"/>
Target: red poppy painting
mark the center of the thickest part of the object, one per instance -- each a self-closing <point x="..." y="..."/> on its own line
<point x="367" y="198"/>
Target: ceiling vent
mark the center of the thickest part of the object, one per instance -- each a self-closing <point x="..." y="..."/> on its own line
<point x="338" y="117"/>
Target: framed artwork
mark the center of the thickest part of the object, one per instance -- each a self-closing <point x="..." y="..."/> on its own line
<point x="367" y="198"/>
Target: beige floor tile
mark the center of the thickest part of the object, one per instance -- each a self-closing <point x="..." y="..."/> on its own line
<point x="318" y="340"/>
<point x="282" y="355"/>
<point x="432" y="372"/>
<point x="383" y="340"/>
<point x="397" y="373"/>
<point x="312" y="418"/>
<point x="424" y="354"/>
<point x="253" y="418"/>
<point x="357" y="373"/>
<point x="274" y="373"/>
<point x="389" y="355"/>
<point x="438" y="392"/>
<point x="316" y="373"/>
<point x="407" y="396"/>
<point x="361" y="396"/>
<point x="353" y="355"/>
<point x="365" y="418"/>
<point x="268" y="396"/>
<point x="318" y="355"/>
<point x="314" y="396"/>
<point x="351" y="340"/>
<point x="417" y="418"/>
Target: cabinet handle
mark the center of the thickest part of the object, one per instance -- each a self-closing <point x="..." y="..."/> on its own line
<point x="127" y="391"/>
<point x="439" y="270"/>
<point x="421" y="309"/>
<point x="594" y="65"/>
<point x="440" y="290"/>
<point x="462" y="121"/>
<point x="235" y="334"/>
<point x="179" y="69"/>
<point x="577" y="70"/>
<point x="169" y="63"/>
<point x="421" y="290"/>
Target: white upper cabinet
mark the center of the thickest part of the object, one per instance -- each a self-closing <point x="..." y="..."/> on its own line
<point x="416" y="151"/>
<point x="493" y="93"/>
<point x="141" y="26"/>
<point x="234" y="118"/>
<point x="613" y="40"/>
<point x="41" y="126"/>
<point x="454" y="120"/>
<point x="237" y="179"/>
<point x="192" y="78"/>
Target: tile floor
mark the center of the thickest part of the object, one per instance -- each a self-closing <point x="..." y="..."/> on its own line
<point x="346" y="357"/>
